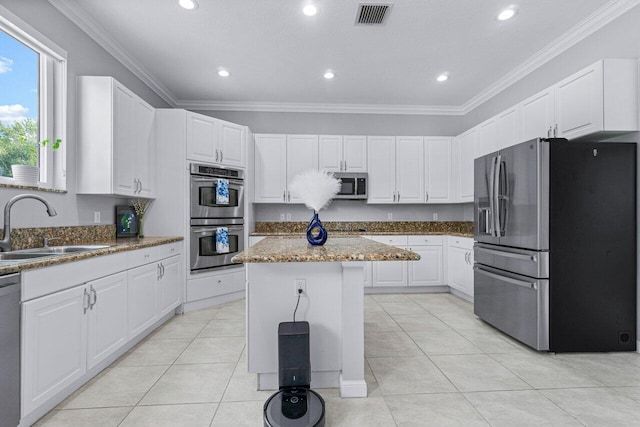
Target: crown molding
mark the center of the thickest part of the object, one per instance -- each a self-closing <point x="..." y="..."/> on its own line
<point x="87" y="24"/>
<point x="598" y="19"/>
<point x="286" y="107"/>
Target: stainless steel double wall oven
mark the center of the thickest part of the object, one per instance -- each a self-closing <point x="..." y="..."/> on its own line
<point x="208" y="216"/>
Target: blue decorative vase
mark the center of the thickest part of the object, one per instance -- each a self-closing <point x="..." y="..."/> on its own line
<point x="316" y="233"/>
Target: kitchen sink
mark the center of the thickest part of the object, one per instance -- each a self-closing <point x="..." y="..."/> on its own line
<point x="13" y="256"/>
<point x="45" y="251"/>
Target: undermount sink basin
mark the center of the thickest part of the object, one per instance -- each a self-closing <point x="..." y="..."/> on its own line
<point x="13" y="256"/>
<point x="71" y="248"/>
<point x="27" y="254"/>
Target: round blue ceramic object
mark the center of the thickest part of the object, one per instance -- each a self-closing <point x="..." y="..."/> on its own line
<point x="316" y="233"/>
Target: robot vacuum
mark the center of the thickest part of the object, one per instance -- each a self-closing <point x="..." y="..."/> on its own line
<point x="295" y="404"/>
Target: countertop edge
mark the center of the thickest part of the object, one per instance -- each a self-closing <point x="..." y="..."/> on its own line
<point x="119" y="245"/>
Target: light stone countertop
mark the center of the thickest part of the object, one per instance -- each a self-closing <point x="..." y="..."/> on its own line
<point x="115" y="245"/>
<point x="336" y="249"/>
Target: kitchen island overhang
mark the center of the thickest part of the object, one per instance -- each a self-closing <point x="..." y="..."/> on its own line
<point x="333" y="304"/>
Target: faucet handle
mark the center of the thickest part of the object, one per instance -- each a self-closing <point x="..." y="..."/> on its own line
<point x="48" y="239"/>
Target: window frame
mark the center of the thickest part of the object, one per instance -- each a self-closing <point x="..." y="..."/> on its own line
<point x="52" y="103"/>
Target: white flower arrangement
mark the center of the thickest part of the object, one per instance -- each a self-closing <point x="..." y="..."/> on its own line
<point x="315" y="188"/>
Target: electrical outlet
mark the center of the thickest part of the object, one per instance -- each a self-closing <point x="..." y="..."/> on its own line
<point x="301" y="284"/>
<point x="288" y="217"/>
<point x="281" y="217"/>
<point x="435" y="216"/>
<point x="96" y="217"/>
<point x="389" y="216"/>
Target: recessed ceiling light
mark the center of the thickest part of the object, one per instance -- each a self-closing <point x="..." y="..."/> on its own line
<point x="223" y="73"/>
<point x="188" y="4"/>
<point x="443" y="77"/>
<point x="507" y="14"/>
<point x="310" y="10"/>
<point x="329" y="75"/>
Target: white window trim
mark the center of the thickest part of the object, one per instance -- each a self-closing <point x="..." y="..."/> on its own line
<point x="53" y="86"/>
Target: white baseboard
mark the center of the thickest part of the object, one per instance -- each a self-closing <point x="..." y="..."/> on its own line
<point x="210" y="302"/>
<point x="369" y="290"/>
<point x="351" y="388"/>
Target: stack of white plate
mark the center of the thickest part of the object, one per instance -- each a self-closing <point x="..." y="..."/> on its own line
<point x="25" y="174"/>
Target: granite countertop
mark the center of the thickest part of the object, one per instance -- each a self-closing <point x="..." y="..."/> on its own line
<point x="119" y="245"/>
<point x="369" y="228"/>
<point x="297" y="249"/>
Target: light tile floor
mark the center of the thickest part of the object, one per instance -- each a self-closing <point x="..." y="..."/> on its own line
<point x="429" y="362"/>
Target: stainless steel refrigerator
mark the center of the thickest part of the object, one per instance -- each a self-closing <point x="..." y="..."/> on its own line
<point x="555" y="251"/>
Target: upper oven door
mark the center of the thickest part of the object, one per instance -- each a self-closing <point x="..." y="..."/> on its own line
<point x="204" y="203"/>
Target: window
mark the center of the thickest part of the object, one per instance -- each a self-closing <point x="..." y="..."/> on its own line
<point x="32" y="102"/>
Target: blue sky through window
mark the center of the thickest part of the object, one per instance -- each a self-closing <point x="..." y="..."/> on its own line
<point x="18" y="81"/>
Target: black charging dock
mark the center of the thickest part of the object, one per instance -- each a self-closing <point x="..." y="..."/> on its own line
<point x="294" y="404"/>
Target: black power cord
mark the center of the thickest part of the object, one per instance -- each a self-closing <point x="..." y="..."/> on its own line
<point x="296" y="309"/>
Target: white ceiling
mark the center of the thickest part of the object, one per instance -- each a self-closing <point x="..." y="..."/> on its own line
<point x="276" y="55"/>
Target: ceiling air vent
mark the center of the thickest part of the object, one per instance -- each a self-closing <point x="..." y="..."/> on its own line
<point x="372" y="13"/>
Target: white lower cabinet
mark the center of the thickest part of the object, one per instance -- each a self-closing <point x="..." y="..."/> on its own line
<point x="460" y="264"/>
<point x="107" y="317"/>
<point x="428" y="271"/>
<point x="142" y="297"/>
<point x="54" y="345"/>
<point x="65" y="334"/>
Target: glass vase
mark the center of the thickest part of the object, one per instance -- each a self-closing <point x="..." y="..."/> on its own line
<point x="316" y="233"/>
<point x="140" y="227"/>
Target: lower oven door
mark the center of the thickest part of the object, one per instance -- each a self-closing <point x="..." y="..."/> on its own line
<point x="202" y="245"/>
<point x="517" y="305"/>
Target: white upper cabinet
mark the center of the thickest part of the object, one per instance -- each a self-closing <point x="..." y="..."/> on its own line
<point x="278" y="159"/>
<point x="464" y="152"/>
<point x="342" y="153"/>
<point x="215" y="141"/>
<point x="270" y="168"/>
<point x="410" y="169"/>
<point x="232" y="144"/>
<point x="508" y="128"/>
<point x="437" y="172"/>
<point x="381" y="157"/>
<point x="600" y="98"/>
<point x="537" y="115"/>
<point x="302" y="155"/>
<point x="487" y="137"/>
<point x="202" y="133"/>
<point x="116" y="140"/>
<point x="396" y="169"/>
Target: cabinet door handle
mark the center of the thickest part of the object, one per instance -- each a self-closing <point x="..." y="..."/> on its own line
<point x="427" y="198"/>
<point x="162" y="270"/>
<point x="394" y="196"/>
<point x="345" y="165"/>
<point x="85" y="301"/>
<point x="288" y="196"/>
<point x="555" y="131"/>
<point x="135" y="185"/>
<point x="221" y="156"/>
<point x="93" y="297"/>
<point x="159" y="272"/>
<point x="398" y="197"/>
<point x="466" y="260"/>
<point x="140" y="184"/>
<point x="284" y="196"/>
<point x="549" y="132"/>
<point x="216" y="154"/>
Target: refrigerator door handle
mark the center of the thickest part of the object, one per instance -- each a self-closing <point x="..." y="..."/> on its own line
<point x="496" y="195"/>
<point x="524" y="284"/>
<point x="492" y="208"/>
<point x="523" y="257"/>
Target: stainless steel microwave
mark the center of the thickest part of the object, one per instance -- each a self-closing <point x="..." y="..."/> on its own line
<point x="353" y="186"/>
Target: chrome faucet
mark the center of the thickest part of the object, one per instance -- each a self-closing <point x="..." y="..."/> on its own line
<point x="5" y="244"/>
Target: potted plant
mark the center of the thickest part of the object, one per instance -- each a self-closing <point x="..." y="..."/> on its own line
<point x="29" y="172"/>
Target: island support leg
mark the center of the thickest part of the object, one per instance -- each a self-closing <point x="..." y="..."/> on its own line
<point x="352" y="382"/>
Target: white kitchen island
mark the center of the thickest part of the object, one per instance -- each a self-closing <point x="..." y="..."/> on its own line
<point x="333" y="304"/>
